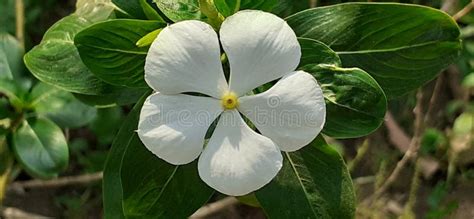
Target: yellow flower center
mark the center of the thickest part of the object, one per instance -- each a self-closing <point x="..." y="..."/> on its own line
<point x="229" y="100"/>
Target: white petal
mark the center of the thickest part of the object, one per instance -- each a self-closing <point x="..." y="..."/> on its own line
<point x="291" y="113"/>
<point x="185" y="57"/>
<point x="237" y="160"/>
<point x="173" y="127"/>
<point x="260" y="46"/>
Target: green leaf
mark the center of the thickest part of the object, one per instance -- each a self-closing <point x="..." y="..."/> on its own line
<point x="60" y="106"/>
<point x="56" y="60"/>
<point x="227" y="7"/>
<point x="40" y="146"/>
<point x="150" y="12"/>
<point x="112" y="185"/>
<point x="401" y="46"/>
<point x="153" y="188"/>
<point x="131" y="7"/>
<point x="11" y="56"/>
<point x="288" y="7"/>
<point x="109" y="50"/>
<point x="315" y="52"/>
<point x="264" y="5"/>
<point x="121" y="97"/>
<point x="355" y="103"/>
<point x="178" y="10"/>
<point x="313" y="183"/>
<point x="13" y="92"/>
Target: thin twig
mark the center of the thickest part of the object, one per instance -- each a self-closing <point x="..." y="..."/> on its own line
<point x="464" y="11"/>
<point x="11" y="212"/>
<point x="59" y="182"/>
<point x="313" y="3"/>
<point x="215" y="207"/>
<point x="412" y="149"/>
<point x="20" y="21"/>
<point x="434" y="97"/>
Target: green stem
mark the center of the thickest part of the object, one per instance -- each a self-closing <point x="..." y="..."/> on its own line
<point x="215" y="19"/>
<point x="20" y="21"/>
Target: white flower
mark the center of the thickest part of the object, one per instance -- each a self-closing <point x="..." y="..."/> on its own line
<point x="260" y="47"/>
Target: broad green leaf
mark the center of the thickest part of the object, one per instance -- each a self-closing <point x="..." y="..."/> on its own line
<point x="288" y="7"/>
<point x="153" y="188"/>
<point x="109" y="50"/>
<point x="264" y="5"/>
<point x="40" y="146"/>
<point x="313" y="183"/>
<point x="131" y="7"/>
<point x="227" y="7"/>
<point x="178" y="10"/>
<point x="11" y="56"/>
<point x="120" y="97"/>
<point x="355" y="103"/>
<point x="401" y="46"/>
<point x="112" y="185"/>
<point x="315" y="52"/>
<point x="56" y="60"/>
<point x="60" y="106"/>
<point x="150" y="12"/>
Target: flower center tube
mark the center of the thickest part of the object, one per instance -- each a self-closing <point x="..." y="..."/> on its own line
<point x="229" y="100"/>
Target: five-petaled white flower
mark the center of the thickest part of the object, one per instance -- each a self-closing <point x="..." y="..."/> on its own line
<point x="185" y="59"/>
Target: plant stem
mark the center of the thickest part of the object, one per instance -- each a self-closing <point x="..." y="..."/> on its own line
<point x="20" y="21"/>
<point x="412" y="151"/>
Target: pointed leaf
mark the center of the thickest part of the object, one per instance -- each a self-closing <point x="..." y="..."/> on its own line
<point x="313" y="183"/>
<point x="112" y="186"/>
<point x="109" y="50"/>
<point x="56" y="60"/>
<point x="401" y="46"/>
<point x="41" y="148"/>
<point x="355" y="103"/>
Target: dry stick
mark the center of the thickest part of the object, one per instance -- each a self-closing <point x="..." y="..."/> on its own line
<point x="464" y="11"/>
<point x="214" y="207"/>
<point x="59" y="182"/>
<point x="20" y="21"/>
<point x="412" y="149"/>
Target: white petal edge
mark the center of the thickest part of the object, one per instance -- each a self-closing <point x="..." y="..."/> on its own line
<point x="185" y="57"/>
<point x="237" y="160"/>
<point x="291" y="113"/>
<point x="260" y="47"/>
<point x="173" y="127"/>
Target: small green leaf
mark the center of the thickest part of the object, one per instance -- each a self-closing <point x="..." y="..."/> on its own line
<point x="112" y="185"/>
<point x="315" y="52"/>
<point x="178" y="10"/>
<point x="13" y="92"/>
<point x="109" y="50"/>
<point x="227" y="7"/>
<point x="401" y="46"/>
<point x="41" y="148"/>
<point x="150" y="12"/>
<point x="313" y="183"/>
<point x="60" y="106"/>
<point x="131" y="7"/>
<point x="355" y="103"/>
<point x="56" y="60"/>
<point x="11" y="56"/>
<point x="148" y="39"/>
<point x="264" y="5"/>
<point x="153" y="188"/>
